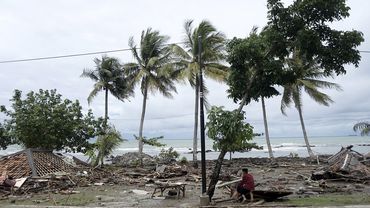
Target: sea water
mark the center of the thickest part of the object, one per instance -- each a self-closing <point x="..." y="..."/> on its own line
<point x="281" y="146"/>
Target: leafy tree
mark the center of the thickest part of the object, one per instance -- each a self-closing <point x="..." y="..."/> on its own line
<point x="213" y="53"/>
<point x="108" y="77"/>
<point x="153" y="71"/>
<point x="253" y="73"/>
<point x="45" y="120"/>
<point x="105" y="144"/>
<point x="364" y="127"/>
<point x="305" y="26"/>
<point x="5" y="140"/>
<point x="308" y="79"/>
<point x="229" y="133"/>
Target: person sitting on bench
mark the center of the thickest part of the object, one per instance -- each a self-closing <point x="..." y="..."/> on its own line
<point x="246" y="185"/>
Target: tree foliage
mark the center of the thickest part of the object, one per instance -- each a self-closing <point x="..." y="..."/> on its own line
<point x="5" y="140"/>
<point x="109" y="77"/>
<point x="45" y="120"/>
<point x="363" y="127"/>
<point x="228" y="130"/>
<point x="154" y="70"/>
<point x="152" y="141"/>
<point x="104" y="145"/>
<point x="305" y="26"/>
<point x="254" y="70"/>
<point x="229" y="133"/>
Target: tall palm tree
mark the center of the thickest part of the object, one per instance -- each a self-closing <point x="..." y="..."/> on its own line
<point x="308" y="79"/>
<point x="213" y="53"/>
<point x="153" y="70"/>
<point x="364" y="127"/>
<point x="108" y="76"/>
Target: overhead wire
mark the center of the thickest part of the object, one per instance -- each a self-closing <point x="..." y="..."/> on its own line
<point x="74" y="55"/>
<point x="91" y="53"/>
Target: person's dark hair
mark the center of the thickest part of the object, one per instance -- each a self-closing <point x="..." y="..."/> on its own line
<point x="245" y="170"/>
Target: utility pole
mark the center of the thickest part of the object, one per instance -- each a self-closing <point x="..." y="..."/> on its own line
<point x="202" y="133"/>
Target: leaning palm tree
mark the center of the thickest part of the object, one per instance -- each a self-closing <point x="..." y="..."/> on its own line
<point x="363" y="127"/>
<point x="308" y="79"/>
<point x="213" y="53"/>
<point x="108" y="76"/>
<point x="153" y="70"/>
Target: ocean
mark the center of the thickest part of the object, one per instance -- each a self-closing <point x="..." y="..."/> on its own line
<point x="282" y="146"/>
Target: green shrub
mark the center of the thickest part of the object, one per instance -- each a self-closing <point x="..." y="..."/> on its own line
<point x="167" y="155"/>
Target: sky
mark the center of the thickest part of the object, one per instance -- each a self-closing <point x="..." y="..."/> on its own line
<point x="36" y="28"/>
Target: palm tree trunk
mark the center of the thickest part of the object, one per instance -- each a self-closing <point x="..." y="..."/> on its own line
<point x="266" y="128"/>
<point x="309" y="150"/>
<point x="141" y="144"/>
<point x="215" y="174"/>
<point x="195" y="134"/>
<point x="106" y="108"/>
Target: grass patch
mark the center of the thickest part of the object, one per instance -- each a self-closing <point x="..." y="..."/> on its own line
<point x="330" y="200"/>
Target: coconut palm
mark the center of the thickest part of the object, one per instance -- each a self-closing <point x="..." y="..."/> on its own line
<point x="213" y="48"/>
<point x="364" y="127"/>
<point x="108" y="76"/>
<point x="308" y="79"/>
<point x="153" y="70"/>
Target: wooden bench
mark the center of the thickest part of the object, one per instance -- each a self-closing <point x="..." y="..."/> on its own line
<point x="162" y="186"/>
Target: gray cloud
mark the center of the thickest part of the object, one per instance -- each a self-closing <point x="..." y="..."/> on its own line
<point x="47" y="28"/>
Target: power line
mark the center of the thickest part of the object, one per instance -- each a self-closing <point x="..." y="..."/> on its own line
<point x="73" y="55"/>
<point x="153" y="118"/>
<point x="88" y="54"/>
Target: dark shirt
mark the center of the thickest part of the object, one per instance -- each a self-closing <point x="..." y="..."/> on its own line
<point x="247" y="182"/>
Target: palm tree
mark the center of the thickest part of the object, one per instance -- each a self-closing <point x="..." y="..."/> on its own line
<point x="108" y="76"/>
<point x="153" y="70"/>
<point x="308" y="79"/>
<point x="364" y="127"/>
<point x="213" y="48"/>
<point x="105" y="145"/>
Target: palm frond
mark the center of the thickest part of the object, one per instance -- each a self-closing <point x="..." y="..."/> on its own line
<point x="363" y="127"/>
<point x="90" y="74"/>
<point x="318" y="96"/>
<point x="323" y="84"/>
<point x="97" y="88"/>
<point x="286" y="99"/>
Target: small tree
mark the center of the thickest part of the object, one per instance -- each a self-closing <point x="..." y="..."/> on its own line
<point x="45" y="120"/>
<point x="229" y="133"/>
<point x="105" y="145"/>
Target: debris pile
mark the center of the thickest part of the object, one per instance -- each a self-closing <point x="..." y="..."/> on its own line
<point x="34" y="170"/>
<point x="345" y="165"/>
<point x="132" y="159"/>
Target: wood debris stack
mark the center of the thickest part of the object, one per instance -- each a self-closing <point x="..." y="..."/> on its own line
<point x="347" y="164"/>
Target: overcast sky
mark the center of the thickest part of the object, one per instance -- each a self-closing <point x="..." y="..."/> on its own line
<point x="32" y="28"/>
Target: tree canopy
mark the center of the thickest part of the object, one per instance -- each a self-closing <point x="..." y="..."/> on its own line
<point x="45" y="120"/>
<point x="305" y="25"/>
<point x="254" y="70"/>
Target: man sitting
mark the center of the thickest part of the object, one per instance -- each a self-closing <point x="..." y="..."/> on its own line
<point x="246" y="185"/>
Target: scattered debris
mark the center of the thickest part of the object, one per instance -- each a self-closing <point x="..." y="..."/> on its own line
<point x="345" y="165"/>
